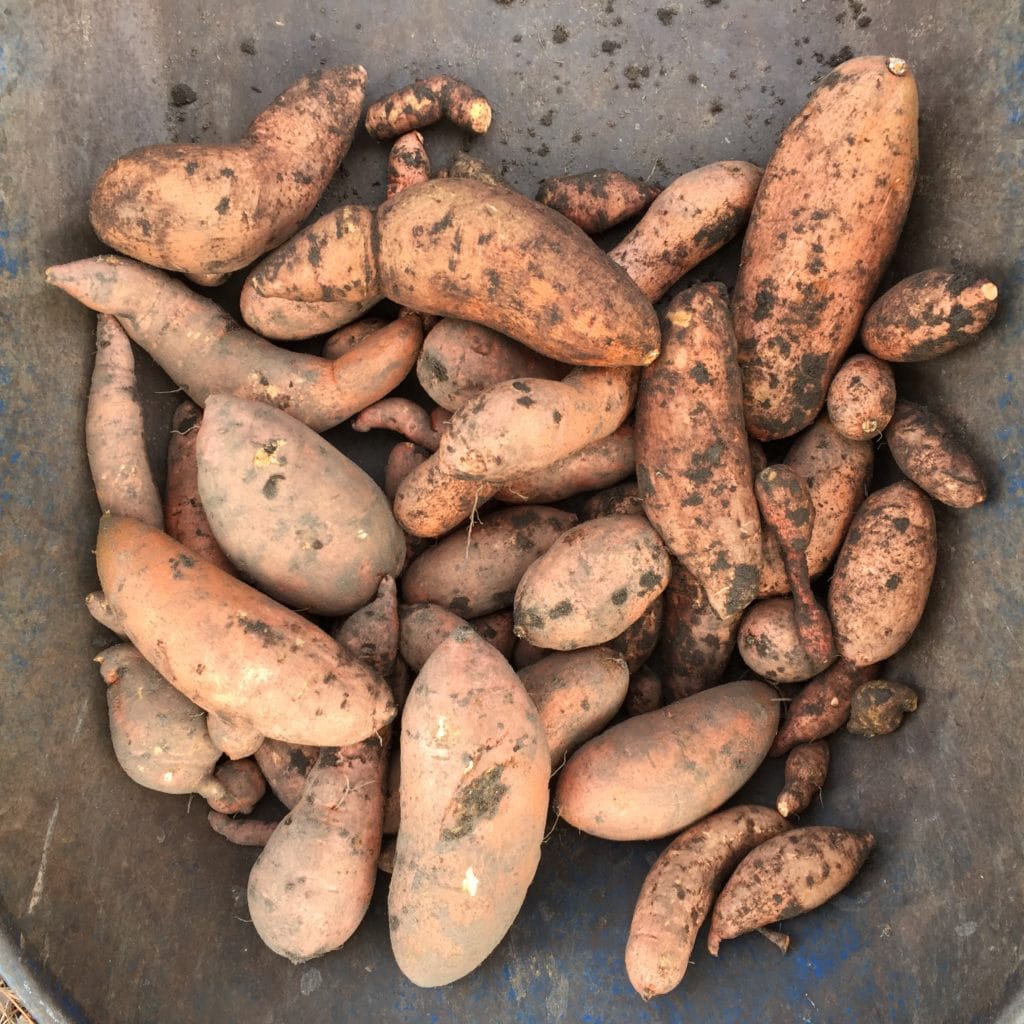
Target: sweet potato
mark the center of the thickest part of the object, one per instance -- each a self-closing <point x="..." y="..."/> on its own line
<point x="655" y="774"/>
<point x="824" y="226"/>
<point x="620" y="500"/>
<point x="597" y="200"/>
<point x="386" y="859"/>
<point x="878" y="707"/>
<point x="348" y="337"/>
<point x="99" y="608"/>
<point x="184" y="517"/>
<point x="806" y="769"/>
<point x="244" y="783"/>
<point x="460" y="360"/>
<point x="931" y="455"/>
<point x="229" y="648"/>
<point x="928" y="314"/>
<point x="286" y="766"/>
<point x="861" y="397"/>
<point x="403" y="459"/>
<point x="820" y="708"/>
<point x="206" y="352"/>
<point x="524" y="654"/>
<point x="114" y="433"/>
<point x="883" y="574"/>
<point x="593" y="582"/>
<point x="600" y="464"/>
<point x="392" y="793"/>
<point x="242" y="831"/>
<point x="637" y="641"/>
<point x="785" y="876"/>
<point x="291" y="511"/>
<point x="472" y="824"/>
<point x="478" y="573"/>
<point x="694" y="217"/>
<point x="295" y="320"/>
<point x="209" y="210"/>
<point x="758" y="457"/>
<point x="408" y="163"/>
<point x="401" y="416"/>
<point x="236" y="737"/>
<point x="497" y="629"/>
<point x="425" y="626"/>
<point x="645" y="692"/>
<point x="577" y="693"/>
<point x="430" y="502"/>
<point x="837" y="471"/>
<point x="425" y="102"/>
<point x="770" y="644"/>
<point x="693" y="463"/>
<point x="678" y="890"/>
<point x="695" y="643"/>
<point x="371" y="633"/>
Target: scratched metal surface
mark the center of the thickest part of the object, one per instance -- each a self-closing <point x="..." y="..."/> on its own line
<point x="123" y="895"/>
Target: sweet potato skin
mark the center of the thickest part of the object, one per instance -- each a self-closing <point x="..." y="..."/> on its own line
<point x="430" y="501"/>
<point x="293" y="512"/>
<point x="883" y="574"/>
<point x="229" y="648"/>
<point x="286" y="766"/>
<point x="637" y="641"/>
<point x="597" y="200"/>
<point x="472" y="823"/>
<point x="655" y="774"/>
<point x="371" y="632"/>
<point x="810" y="266"/>
<point x="593" y="582"/>
<point x="425" y="626"/>
<point x="498" y="629"/>
<point x="806" y="769"/>
<point x="425" y="102"/>
<point x="237" y="738"/>
<point x="862" y="397"/>
<point x="295" y="320"/>
<point x="769" y="643"/>
<point x="645" y="692"/>
<point x="621" y="500"/>
<point x="693" y="463"/>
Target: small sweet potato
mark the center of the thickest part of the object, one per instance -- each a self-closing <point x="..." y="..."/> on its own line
<point x="597" y="200"/>
<point x="472" y="823"/>
<point x="244" y="783"/>
<point x="931" y="455"/>
<point x="524" y="654"/>
<point x="591" y="584"/>
<point x="878" y="707"/>
<point x="770" y="644"/>
<point x="655" y="774"/>
<point x="645" y="692"/>
<point x="408" y="163"/>
<point x="403" y="459"/>
<point x="236" y="737"/>
<point x="678" y="890"/>
<point x="785" y="876"/>
<point x="498" y="629"/>
<point x="425" y="102"/>
<point x="577" y="693"/>
<point x="862" y="397"/>
<point x="425" y="626"/>
<point x="295" y="320"/>
<point x="465" y="166"/>
<point x="371" y="633"/>
<point x="286" y="766"/>
<point x="478" y="572"/>
<point x="928" y="314"/>
<point x="637" y="641"/>
<point x="806" y="769"/>
<point x="401" y="416"/>
<point x="242" y="831"/>
<point x="883" y="574"/>
<point x="431" y="502"/>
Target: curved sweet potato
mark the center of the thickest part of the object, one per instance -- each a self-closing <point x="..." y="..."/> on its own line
<point x="593" y="582"/>
<point x="286" y="766"/>
<point x="208" y="210"/>
<point x="597" y="200"/>
<point x="694" y="217"/>
<point x="472" y="823"/>
<point x="883" y="574"/>
<point x="769" y="643"/>
<point x="295" y="320"/>
<point x="291" y="511"/>
<point x="229" y="648"/>
<point x="348" y="337"/>
<point x="824" y="226"/>
<point x="430" y="502"/>
<point x="242" y="831"/>
<point x="401" y="416"/>
<point x="861" y="397"/>
<point x="425" y="102"/>
<point x="693" y="463"/>
<point x="806" y="770"/>
<point x="655" y="774"/>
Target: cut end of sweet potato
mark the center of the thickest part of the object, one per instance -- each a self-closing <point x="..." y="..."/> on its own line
<point x="898" y="66"/>
<point x="990" y="291"/>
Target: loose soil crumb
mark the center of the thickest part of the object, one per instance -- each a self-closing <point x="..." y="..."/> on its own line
<point x="182" y="95"/>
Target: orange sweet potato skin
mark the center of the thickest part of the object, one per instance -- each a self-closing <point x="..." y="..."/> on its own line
<point x="770" y="645"/>
<point x="596" y="200"/>
<point x="429" y="502"/>
<point x="655" y="774"/>
<point x="484" y="253"/>
<point x="285" y="766"/>
<point x="824" y="225"/>
<point x="861" y="397"/>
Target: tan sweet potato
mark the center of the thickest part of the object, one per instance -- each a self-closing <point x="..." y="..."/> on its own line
<point x="645" y="692"/>
<point x="244" y="783"/>
<point x="371" y="633"/>
<point x="806" y="769"/>
<point x="593" y="582"/>
<point x="291" y="511"/>
<point x="678" y="890"/>
<point x="425" y="626"/>
<point x="348" y="337"/>
<point x="621" y="500"/>
<point x="637" y="641"/>
<point x="403" y="459"/>
<point x="114" y="433"/>
<point x="824" y="225"/>
<point x="99" y="608"/>
<point x="242" y="831"/>
<point x="694" y="217"/>
<point x="693" y="463"/>
<point x="425" y="102"/>
<point x="862" y="397"/>
<point x="878" y="707"/>
<point x="577" y="693"/>
<point x="472" y="824"/>
<point x="465" y="166"/>
<point x="883" y="574"/>
<point x="229" y="648"/>
<point x="785" y="876"/>
<point x="770" y="644"/>
<point x="408" y="163"/>
<point x="498" y="629"/>
<point x="295" y="320"/>
<point x="597" y="200"/>
<point x="931" y="455"/>
<point x="286" y="766"/>
<point x="431" y="502"/>
<point x="236" y="737"/>
<point x="478" y="572"/>
<point x="207" y="210"/>
<point x="402" y="416"/>
<point x="655" y="774"/>
<point x="928" y="314"/>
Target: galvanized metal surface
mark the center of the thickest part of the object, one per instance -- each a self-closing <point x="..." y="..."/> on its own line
<point x="125" y="895"/>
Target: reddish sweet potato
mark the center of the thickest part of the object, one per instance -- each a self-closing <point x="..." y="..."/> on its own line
<point x="878" y="707"/>
<point x="408" y="163"/>
<point x="285" y="766"/>
<point x="497" y="629"/>
<point x="403" y="459"/>
<point x="861" y="397"/>
<point x="425" y="626"/>
<point x="597" y="200"/>
<point x="244" y="783"/>
<point x="371" y="633"/>
<point x="824" y="226"/>
<point x="655" y="774"/>
<point x="472" y="824"/>
<point x="401" y="416"/>
<point x="236" y="737"/>
<point x="425" y="102"/>
<point x="645" y="693"/>
<point x="621" y="500"/>
<point x="770" y="644"/>
<point x="295" y="320"/>
<point x="806" y="769"/>
<point x="350" y="335"/>
<point x="430" y="502"/>
<point x="637" y="641"/>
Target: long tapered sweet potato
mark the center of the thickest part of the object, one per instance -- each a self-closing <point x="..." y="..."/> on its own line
<point x="291" y="511"/>
<point x="825" y="223"/>
<point x="694" y="217"/>
<point x="206" y="210"/>
<point x="472" y="823"/>
<point x="883" y="574"/>
<point x="928" y="314"/>
<point x="114" y="437"/>
<point x="678" y="890"/>
<point x="785" y="876"/>
<point x="862" y="397"/>
<point x="597" y="200"/>
<point x="594" y="581"/>
<point x="206" y="352"/>
<point x="655" y="774"/>
<point x="769" y="642"/>
<point x="806" y="768"/>
<point x="425" y="102"/>
<point x="286" y="766"/>
<point x="229" y="648"/>
<point x="693" y="463"/>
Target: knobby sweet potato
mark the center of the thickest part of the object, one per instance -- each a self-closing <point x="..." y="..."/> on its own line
<point x="425" y="102"/>
<point x="861" y="397"/>
<point x="465" y="166"/>
<point x="770" y="644"/>
<point x="878" y="707"/>
<point x="597" y="200"/>
<point x="806" y="768"/>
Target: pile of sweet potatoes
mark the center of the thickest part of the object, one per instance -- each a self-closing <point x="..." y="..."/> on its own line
<point x="538" y="615"/>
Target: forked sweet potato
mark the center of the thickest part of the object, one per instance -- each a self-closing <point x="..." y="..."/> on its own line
<point x="806" y="769"/>
<point x="597" y="200"/>
<point x="862" y="397"/>
<point x="425" y="102"/>
<point x="770" y="644"/>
